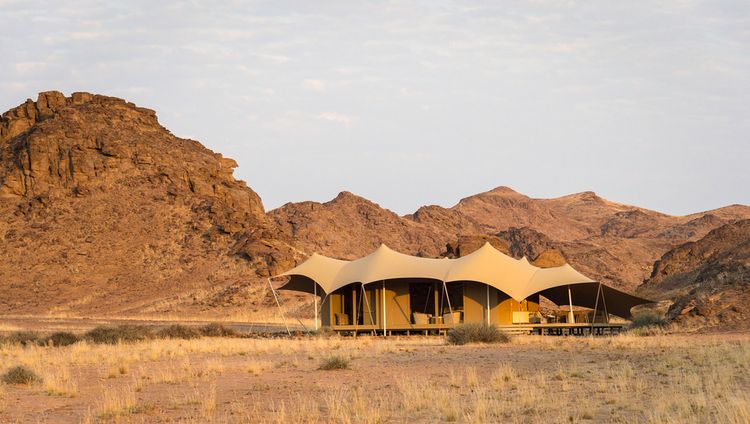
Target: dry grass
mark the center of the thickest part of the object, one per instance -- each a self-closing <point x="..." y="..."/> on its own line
<point x="60" y="382"/>
<point x="115" y="402"/>
<point x="335" y="362"/>
<point x="531" y="379"/>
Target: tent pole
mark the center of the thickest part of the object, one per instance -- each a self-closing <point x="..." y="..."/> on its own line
<point x="596" y="304"/>
<point x="364" y="295"/>
<point x="279" y="305"/>
<point x="315" y="293"/>
<point x="488" y="304"/>
<point x="450" y="308"/>
<point x="571" y="317"/>
<point x="385" y="331"/>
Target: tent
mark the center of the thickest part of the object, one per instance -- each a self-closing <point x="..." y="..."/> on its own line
<point x="504" y="279"/>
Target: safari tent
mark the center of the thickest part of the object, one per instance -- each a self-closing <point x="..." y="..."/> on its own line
<point x="388" y="291"/>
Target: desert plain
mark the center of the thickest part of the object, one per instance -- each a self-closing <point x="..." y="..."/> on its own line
<point x="654" y="377"/>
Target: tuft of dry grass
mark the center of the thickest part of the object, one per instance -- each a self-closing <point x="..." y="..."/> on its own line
<point x="257" y="367"/>
<point x="60" y="382"/>
<point x="115" y="402"/>
<point x="208" y="403"/>
<point x="335" y="362"/>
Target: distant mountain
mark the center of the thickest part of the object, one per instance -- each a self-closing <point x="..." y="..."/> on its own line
<point x="612" y="242"/>
<point x="708" y="278"/>
<point x="350" y="226"/>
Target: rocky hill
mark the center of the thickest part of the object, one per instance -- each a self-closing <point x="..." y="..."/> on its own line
<point x="350" y="226"/>
<point x="104" y="210"/>
<point x="709" y="278"/>
<point x="612" y="242"/>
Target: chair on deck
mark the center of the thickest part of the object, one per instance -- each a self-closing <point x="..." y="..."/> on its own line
<point x="341" y="318"/>
<point x="452" y="318"/>
<point x="420" y="318"/>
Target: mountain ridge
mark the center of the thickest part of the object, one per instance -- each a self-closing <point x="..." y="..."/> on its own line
<point x="124" y="217"/>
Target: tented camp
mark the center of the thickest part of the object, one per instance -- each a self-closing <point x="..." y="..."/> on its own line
<point x="387" y="291"/>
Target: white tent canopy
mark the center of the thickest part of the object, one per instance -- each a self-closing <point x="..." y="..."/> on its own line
<point x="516" y="277"/>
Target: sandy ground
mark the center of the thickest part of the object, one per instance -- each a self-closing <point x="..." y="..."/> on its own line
<point x="665" y="378"/>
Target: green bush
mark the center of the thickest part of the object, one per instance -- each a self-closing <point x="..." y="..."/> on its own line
<point x="61" y="338"/>
<point x="121" y="333"/>
<point x="176" y="331"/>
<point x="335" y="362"/>
<point x="20" y="375"/>
<point x="217" y="330"/>
<point x="476" y="333"/>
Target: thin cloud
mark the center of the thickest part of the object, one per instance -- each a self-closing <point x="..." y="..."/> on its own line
<point x="315" y="85"/>
<point x="338" y="118"/>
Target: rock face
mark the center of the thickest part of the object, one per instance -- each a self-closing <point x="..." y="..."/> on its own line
<point x="105" y="210"/>
<point x="709" y="278"/>
<point x="350" y="226"/>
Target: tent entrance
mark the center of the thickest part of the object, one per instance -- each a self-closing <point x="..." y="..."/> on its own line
<point x="431" y="303"/>
<point x="422" y="298"/>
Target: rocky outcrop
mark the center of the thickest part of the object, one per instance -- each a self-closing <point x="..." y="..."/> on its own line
<point x="709" y="279"/>
<point x="105" y="210"/>
<point x="527" y="242"/>
<point x="465" y="245"/>
<point x="350" y="226"/>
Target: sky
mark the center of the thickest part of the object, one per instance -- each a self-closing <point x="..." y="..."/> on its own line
<point x="420" y="102"/>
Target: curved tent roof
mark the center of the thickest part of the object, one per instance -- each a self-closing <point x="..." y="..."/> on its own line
<point x="387" y="264"/>
<point x="490" y="266"/>
<point x="516" y="277"/>
<point x="316" y="269"/>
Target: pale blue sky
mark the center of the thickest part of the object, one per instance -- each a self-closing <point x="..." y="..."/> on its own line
<point x="412" y="103"/>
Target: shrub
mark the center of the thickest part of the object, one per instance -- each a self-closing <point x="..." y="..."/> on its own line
<point x="23" y="338"/>
<point x="476" y="333"/>
<point x="335" y="362"/>
<point x="647" y="320"/>
<point x="121" y="333"/>
<point x="20" y="375"/>
<point x="217" y="330"/>
<point x="176" y="331"/>
<point x="61" y="338"/>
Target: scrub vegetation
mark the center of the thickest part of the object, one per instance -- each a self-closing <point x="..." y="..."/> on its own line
<point x="117" y="334"/>
<point x="476" y="333"/>
<point x="417" y="379"/>
<point x="19" y="375"/>
<point x="335" y="362"/>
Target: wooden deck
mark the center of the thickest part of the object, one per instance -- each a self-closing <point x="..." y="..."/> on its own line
<point x="558" y="329"/>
